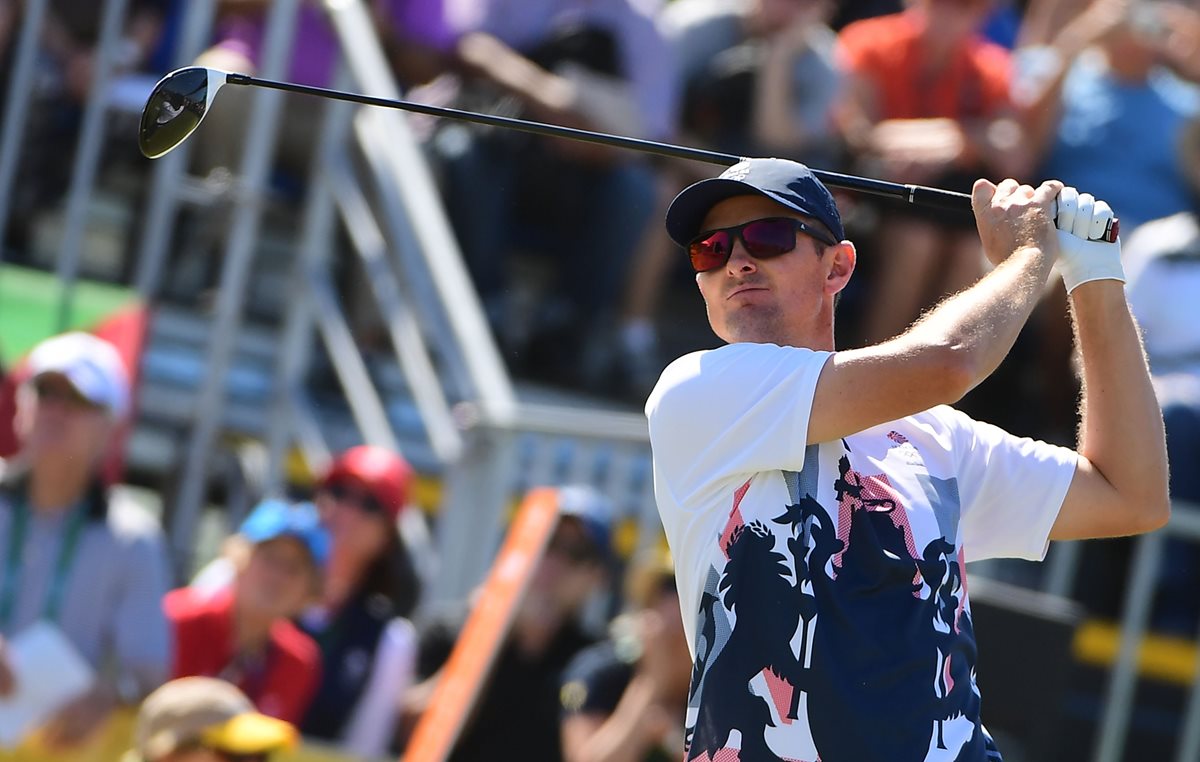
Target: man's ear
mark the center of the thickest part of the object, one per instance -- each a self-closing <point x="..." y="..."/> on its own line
<point x="842" y="259"/>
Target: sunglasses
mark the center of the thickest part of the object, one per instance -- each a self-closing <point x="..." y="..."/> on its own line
<point x="576" y="553"/>
<point x="764" y="238"/>
<point x="349" y="493"/>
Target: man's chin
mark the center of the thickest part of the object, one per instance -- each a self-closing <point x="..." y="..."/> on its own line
<point x="751" y="326"/>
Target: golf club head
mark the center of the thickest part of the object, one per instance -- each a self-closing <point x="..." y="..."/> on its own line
<point x="176" y="107"/>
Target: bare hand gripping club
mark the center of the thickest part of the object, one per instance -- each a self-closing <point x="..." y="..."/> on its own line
<point x="182" y="98"/>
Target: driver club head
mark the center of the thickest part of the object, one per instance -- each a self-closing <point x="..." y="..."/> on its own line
<point x="176" y="107"/>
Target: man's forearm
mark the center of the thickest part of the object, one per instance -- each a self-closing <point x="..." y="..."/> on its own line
<point x="1121" y="431"/>
<point x="981" y="324"/>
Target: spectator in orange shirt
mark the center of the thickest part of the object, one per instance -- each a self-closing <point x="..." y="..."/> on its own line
<point x="243" y="633"/>
<point x="927" y="102"/>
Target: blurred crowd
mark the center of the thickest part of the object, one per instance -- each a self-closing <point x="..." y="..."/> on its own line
<point x="313" y="608"/>
<point x="309" y="609"/>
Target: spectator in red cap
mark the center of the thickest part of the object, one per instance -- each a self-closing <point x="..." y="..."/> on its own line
<point x="368" y="646"/>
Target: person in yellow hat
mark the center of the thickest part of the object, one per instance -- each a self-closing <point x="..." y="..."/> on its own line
<point x="203" y="719"/>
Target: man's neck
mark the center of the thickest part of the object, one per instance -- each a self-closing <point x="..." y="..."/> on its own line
<point x="54" y="486"/>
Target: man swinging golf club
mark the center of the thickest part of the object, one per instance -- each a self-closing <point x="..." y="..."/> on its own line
<point x="820" y="505"/>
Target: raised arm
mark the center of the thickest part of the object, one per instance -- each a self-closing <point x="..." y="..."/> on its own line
<point x="1120" y="484"/>
<point x="958" y="344"/>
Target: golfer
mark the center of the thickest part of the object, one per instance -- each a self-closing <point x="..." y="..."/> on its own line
<point x="821" y="505"/>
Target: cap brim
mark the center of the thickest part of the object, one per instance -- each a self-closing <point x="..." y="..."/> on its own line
<point x="686" y="214"/>
<point x="250" y="734"/>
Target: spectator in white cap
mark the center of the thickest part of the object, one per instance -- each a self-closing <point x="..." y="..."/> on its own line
<point x="203" y="719"/>
<point x="77" y="555"/>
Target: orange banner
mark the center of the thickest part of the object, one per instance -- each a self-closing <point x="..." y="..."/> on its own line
<point x="485" y="629"/>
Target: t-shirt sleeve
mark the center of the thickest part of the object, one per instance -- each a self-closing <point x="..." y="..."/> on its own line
<point x="594" y="681"/>
<point x="1011" y="490"/>
<point x="740" y="409"/>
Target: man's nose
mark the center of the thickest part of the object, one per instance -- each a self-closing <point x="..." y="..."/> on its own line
<point x="740" y="260"/>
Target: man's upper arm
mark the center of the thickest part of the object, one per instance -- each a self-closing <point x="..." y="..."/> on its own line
<point x="1092" y="508"/>
<point x="862" y="388"/>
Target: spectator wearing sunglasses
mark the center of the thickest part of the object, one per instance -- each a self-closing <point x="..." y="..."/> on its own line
<point x="243" y="632"/>
<point x="820" y="505"/>
<point x="622" y="697"/>
<point x="368" y="645"/>
<point x="77" y="554"/>
<point x="203" y="719"/>
<point x="518" y="708"/>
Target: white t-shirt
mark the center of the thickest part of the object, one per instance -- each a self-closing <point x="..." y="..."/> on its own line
<point x="836" y="568"/>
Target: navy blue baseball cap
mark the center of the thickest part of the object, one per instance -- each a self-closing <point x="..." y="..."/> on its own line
<point x="277" y="518"/>
<point x="594" y="512"/>
<point x="787" y="182"/>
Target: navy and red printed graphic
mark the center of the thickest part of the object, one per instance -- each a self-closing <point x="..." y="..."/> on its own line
<point x="830" y="635"/>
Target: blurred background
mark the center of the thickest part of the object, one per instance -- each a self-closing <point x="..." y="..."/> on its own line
<point x="304" y="276"/>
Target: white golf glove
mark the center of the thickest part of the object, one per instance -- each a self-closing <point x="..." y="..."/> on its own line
<point x="1083" y="255"/>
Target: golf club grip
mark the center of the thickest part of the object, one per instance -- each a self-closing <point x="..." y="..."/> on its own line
<point x="937" y="198"/>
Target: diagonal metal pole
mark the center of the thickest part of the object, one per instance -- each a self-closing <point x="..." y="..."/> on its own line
<point x="258" y="153"/>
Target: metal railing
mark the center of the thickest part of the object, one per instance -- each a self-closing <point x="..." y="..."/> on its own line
<point x="1114" y="724"/>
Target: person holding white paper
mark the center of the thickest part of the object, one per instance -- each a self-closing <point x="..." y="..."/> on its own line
<point x="76" y="557"/>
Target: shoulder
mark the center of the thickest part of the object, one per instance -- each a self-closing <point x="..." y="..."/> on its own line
<point x="944" y="423"/>
<point x="595" y="680"/>
<point x="129" y="523"/>
<point x="294" y="645"/>
<point x="186" y="605"/>
<point x="876" y="33"/>
<point x="595" y="660"/>
<point x="724" y="366"/>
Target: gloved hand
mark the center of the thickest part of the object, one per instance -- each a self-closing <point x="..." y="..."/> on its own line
<point x="1083" y="254"/>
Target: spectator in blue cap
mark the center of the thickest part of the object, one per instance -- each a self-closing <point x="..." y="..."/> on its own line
<point x="243" y="632"/>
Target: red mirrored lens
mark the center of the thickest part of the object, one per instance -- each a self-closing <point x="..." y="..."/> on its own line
<point x="769" y="238"/>
<point x="711" y="252"/>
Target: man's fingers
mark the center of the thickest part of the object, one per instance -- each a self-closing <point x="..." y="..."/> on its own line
<point x="1047" y="194"/>
<point x="1083" y="216"/>
<point x="981" y="193"/>
<point x="1068" y="207"/>
<point x="1007" y="187"/>
<point x="1102" y="214"/>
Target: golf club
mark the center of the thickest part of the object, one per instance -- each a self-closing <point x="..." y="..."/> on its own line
<point x="181" y="99"/>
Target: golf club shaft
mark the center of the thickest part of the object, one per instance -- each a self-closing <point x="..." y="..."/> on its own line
<point x="913" y="194"/>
